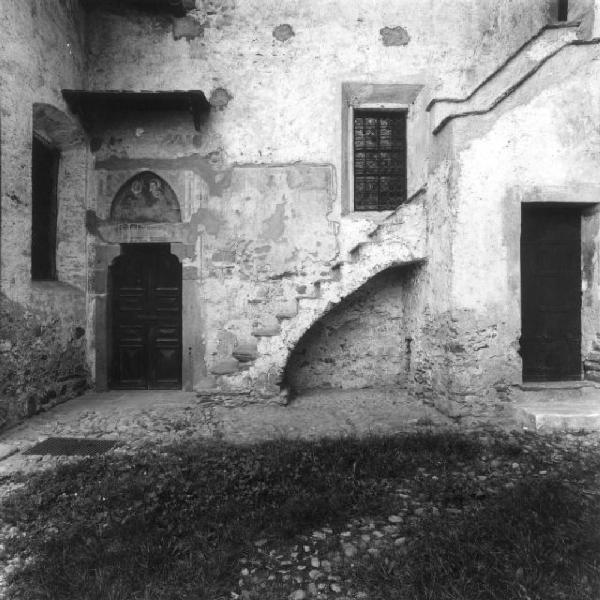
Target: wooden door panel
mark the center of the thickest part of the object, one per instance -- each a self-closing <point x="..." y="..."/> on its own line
<point x="167" y="303"/>
<point x="167" y="364"/>
<point x="132" y="365"/>
<point x="146" y="314"/>
<point x="131" y="334"/>
<point x="551" y="292"/>
<point x="132" y="302"/>
<point x="167" y="335"/>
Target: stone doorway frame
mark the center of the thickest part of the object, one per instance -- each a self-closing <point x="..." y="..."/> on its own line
<point x="105" y="255"/>
<point x="586" y="196"/>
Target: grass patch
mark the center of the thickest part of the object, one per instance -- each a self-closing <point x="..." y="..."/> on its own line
<point x="537" y="541"/>
<point x="175" y="522"/>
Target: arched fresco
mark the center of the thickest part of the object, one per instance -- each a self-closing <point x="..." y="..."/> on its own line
<point x="145" y="198"/>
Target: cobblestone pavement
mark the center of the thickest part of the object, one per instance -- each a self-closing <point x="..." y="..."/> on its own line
<point x="319" y="565"/>
<point x="134" y="417"/>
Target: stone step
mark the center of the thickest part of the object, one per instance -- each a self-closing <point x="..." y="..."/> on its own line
<point x="282" y="316"/>
<point x="591" y="366"/>
<point x="266" y="331"/>
<point x="574" y="415"/>
<point x="308" y="302"/>
<point x="245" y="352"/>
<point x="308" y="291"/>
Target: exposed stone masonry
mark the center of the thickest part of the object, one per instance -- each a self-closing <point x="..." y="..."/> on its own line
<point x="38" y="367"/>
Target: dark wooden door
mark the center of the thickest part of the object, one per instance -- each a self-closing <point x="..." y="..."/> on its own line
<point x="551" y="292"/>
<point x="146" y="318"/>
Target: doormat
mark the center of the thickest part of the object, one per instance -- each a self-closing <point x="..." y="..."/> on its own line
<point x="63" y="446"/>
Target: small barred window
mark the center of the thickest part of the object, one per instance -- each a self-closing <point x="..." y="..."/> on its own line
<point x="379" y="159"/>
<point x="563" y="10"/>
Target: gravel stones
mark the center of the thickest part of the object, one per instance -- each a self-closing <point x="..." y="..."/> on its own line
<point x="319" y="562"/>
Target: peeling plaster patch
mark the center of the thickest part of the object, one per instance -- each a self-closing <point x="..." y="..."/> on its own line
<point x="212" y="13"/>
<point x="219" y="98"/>
<point x="91" y="222"/>
<point x="204" y="166"/>
<point x="225" y="367"/>
<point x="274" y="226"/>
<point x="188" y="28"/>
<point x="394" y="36"/>
<point x="283" y="32"/>
<point x="226" y="256"/>
<point x="211" y="220"/>
<point x="15" y="199"/>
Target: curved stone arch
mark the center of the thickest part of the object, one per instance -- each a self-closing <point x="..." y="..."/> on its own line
<point x="294" y="330"/>
<point x="332" y="351"/>
<point x="145" y="198"/>
<point x="296" y="333"/>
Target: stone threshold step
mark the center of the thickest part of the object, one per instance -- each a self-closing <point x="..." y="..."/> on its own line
<point x="539" y="386"/>
<point x="580" y="415"/>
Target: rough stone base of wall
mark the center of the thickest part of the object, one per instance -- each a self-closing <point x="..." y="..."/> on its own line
<point x="42" y="362"/>
<point x="463" y="365"/>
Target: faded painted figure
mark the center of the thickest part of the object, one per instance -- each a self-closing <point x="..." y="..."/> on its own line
<point x="146" y="198"/>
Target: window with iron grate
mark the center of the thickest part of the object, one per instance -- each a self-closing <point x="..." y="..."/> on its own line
<point x="379" y="151"/>
<point x="563" y="10"/>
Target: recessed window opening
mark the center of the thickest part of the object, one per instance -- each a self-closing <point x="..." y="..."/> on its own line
<point x="379" y="138"/>
<point x="563" y="10"/>
<point x="44" y="176"/>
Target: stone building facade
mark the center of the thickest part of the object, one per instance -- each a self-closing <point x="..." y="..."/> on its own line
<point x="212" y="226"/>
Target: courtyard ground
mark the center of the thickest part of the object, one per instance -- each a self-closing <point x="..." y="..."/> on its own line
<point x="348" y="495"/>
<point x="134" y="417"/>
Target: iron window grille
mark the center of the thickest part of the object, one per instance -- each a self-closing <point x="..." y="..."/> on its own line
<point x="563" y="10"/>
<point x="379" y="159"/>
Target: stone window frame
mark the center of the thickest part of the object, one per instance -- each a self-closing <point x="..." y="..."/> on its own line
<point x="370" y="96"/>
<point x="58" y="130"/>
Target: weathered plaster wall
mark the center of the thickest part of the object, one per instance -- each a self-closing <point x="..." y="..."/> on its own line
<point x="365" y="341"/>
<point x="254" y="234"/>
<point x="262" y="202"/>
<point x="291" y="85"/>
<point x="539" y="145"/>
<point x="41" y="51"/>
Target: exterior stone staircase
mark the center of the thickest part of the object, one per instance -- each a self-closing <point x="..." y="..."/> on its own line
<point x="519" y="67"/>
<point x="398" y="240"/>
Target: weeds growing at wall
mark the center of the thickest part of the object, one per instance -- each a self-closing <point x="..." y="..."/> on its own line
<point x="36" y="354"/>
